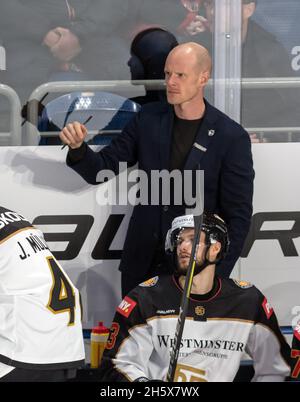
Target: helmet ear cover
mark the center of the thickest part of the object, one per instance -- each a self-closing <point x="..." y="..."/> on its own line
<point x="211" y="239"/>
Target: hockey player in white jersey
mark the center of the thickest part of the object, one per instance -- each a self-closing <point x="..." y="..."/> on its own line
<point x="40" y="314"/>
<point x="225" y="319"/>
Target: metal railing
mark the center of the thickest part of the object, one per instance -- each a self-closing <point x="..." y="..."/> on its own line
<point x="139" y="88"/>
<point x="15" y="114"/>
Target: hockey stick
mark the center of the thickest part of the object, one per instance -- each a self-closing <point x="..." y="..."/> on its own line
<point x="184" y="301"/>
<point x="185" y="298"/>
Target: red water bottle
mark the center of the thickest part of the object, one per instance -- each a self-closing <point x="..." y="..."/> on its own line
<point x="99" y="337"/>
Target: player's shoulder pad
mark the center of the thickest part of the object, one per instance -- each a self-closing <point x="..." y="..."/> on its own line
<point x="242" y="284"/>
<point x="149" y="282"/>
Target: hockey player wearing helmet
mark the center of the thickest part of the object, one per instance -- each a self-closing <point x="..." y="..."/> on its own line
<point x="225" y="319"/>
<point x="181" y="235"/>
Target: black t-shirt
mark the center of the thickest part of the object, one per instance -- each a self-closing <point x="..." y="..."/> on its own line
<point x="184" y="133"/>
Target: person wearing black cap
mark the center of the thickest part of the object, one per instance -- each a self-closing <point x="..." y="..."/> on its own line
<point x="148" y="53"/>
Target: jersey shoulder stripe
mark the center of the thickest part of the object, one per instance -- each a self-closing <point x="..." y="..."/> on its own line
<point x="11" y="223"/>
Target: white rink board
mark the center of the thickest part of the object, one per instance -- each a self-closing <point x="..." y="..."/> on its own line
<point x="35" y="182"/>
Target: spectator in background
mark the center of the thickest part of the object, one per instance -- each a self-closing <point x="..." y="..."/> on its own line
<point x="54" y="40"/>
<point x="166" y="14"/>
<point x="149" y="51"/>
<point x="176" y="16"/>
<point x="43" y="38"/>
<point x="262" y="56"/>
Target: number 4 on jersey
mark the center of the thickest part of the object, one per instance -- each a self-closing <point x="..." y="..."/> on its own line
<point x="62" y="295"/>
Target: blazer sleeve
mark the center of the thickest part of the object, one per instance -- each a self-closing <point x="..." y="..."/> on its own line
<point x="124" y="148"/>
<point x="236" y="193"/>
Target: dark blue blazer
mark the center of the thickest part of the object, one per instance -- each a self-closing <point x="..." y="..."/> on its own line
<point x="223" y="150"/>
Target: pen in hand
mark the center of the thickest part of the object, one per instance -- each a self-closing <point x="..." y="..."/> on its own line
<point x="85" y="122"/>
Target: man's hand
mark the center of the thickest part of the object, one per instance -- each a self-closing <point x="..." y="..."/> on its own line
<point x="67" y="47"/>
<point x="197" y="25"/>
<point x="73" y="134"/>
<point x="51" y="38"/>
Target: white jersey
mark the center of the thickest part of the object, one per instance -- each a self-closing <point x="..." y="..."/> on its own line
<point x="40" y="312"/>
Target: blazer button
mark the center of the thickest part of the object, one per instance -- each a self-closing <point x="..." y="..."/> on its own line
<point x="166" y="208"/>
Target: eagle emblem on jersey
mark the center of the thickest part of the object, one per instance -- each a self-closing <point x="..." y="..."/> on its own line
<point x="150" y="282"/>
<point x="200" y="310"/>
<point x="242" y="284"/>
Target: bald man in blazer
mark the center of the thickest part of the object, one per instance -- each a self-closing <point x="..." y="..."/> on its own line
<point x="183" y="133"/>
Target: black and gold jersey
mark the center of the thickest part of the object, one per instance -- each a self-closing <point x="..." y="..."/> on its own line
<point x="234" y="319"/>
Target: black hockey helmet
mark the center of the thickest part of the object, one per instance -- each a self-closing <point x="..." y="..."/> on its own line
<point x="213" y="226"/>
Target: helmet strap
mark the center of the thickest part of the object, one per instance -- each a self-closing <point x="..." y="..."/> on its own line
<point x="199" y="268"/>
